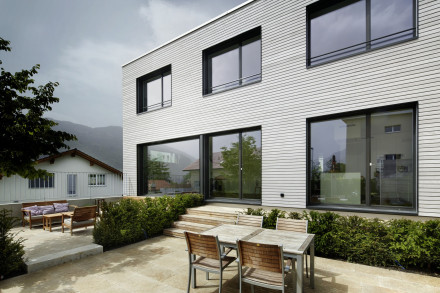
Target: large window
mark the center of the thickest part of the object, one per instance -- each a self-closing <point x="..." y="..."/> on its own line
<point x="71" y="184"/>
<point x="338" y="29"/>
<point x="353" y="161"/>
<point x="233" y="63"/>
<point x="43" y="182"/>
<point x="235" y="165"/>
<point x="154" y="90"/>
<point x="169" y="168"/>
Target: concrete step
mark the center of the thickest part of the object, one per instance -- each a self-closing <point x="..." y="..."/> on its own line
<point x="174" y="232"/>
<point x="204" y="219"/>
<point x="58" y="258"/>
<point x="228" y="214"/>
<point x="192" y="226"/>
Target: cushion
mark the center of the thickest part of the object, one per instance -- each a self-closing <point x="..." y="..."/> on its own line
<point x="47" y="209"/>
<point x="61" y="207"/>
<point x="35" y="210"/>
<point x="75" y="224"/>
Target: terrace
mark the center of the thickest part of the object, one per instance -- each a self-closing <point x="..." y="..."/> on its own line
<point x="160" y="264"/>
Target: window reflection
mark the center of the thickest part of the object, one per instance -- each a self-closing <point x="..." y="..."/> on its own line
<point x="171" y="168"/>
<point x="225" y="70"/>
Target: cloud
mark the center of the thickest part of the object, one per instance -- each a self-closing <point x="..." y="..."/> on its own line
<point x="168" y="20"/>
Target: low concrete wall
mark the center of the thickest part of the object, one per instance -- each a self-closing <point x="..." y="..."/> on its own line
<point x="16" y="207"/>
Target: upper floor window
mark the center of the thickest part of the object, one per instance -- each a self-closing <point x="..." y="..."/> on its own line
<point x="233" y="63"/>
<point x="154" y="90"/>
<point x="43" y="182"/>
<point x="346" y="27"/>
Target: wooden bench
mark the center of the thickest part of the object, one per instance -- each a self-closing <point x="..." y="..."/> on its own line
<point x="26" y="215"/>
<point x="81" y="217"/>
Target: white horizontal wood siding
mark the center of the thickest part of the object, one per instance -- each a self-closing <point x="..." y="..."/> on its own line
<point x="289" y="93"/>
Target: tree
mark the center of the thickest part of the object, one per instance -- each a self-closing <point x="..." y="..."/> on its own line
<point x="24" y="134"/>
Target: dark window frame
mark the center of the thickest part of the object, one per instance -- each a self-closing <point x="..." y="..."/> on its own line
<point x="367" y="207"/>
<point x="159" y="73"/>
<point x="321" y="7"/>
<point x="232" y="42"/>
<point x="42" y="182"/>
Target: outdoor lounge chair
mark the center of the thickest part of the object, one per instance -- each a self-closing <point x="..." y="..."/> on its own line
<point x="209" y="259"/>
<point x="264" y="265"/>
<point x="81" y="217"/>
<point x="294" y="226"/>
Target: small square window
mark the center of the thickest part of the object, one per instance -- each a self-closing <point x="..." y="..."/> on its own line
<point x="154" y="90"/>
<point x="233" y="63"/>
<point x="392" y="129"/>
<point x="96" y="179"/>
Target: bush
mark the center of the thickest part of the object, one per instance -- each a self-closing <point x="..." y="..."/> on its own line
<point x="402" y="243"/>
<point x="129" y="221"/>
<point x="11" y="250"/>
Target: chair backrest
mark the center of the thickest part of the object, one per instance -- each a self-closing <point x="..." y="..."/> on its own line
<point x="292" y="225"/>
<point x="203" y="245"/>
<point x="84" y="213"/>
<point x="249" y="220"/>
<point x="268" y="257"/>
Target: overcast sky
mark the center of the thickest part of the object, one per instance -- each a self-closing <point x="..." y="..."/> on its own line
<point x="82" y="44"/>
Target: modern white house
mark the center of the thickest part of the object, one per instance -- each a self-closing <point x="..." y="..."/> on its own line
<point x="73" y="175"/>
<point x="329" y="105"/>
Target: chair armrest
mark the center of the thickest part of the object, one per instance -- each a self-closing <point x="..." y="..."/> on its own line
<point x="23" y="212"/>
<point x="73" y="206"/>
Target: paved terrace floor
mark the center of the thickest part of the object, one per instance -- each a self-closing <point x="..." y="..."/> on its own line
<point x="160" y="264"/>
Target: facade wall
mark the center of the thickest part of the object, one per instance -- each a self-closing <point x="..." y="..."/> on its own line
<point x="16" y="188"/>
<point x="289" y="93"/>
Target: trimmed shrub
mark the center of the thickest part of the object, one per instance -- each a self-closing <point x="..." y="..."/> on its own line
<point x="11" y="247"/>
<point x="129" y="221"/>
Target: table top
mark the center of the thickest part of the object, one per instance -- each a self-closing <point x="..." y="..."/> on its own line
<point x="293" y="242"/>
<point x="57" y="215"/>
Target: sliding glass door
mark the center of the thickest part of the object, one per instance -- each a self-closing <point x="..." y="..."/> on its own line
<point x="235" y="165"/>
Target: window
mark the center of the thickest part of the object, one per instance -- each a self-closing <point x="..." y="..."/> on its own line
<point x="353" y="162"/>
<point x="233" y="63"/>
<point x="169" y="168"/>
<point x="71" y="184"/>
<point x="44" y="182"/>
<point x="235" y="165"/>
<point x="96" y="179"/>
<point x="341" y="28"/>
<point x="392" y="128"/>
<point x="154" y="90"/>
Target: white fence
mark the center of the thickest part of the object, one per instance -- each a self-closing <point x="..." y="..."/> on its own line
<point x="63" y="185"/>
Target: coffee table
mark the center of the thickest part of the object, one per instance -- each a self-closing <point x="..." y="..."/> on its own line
<point x="47" y="219"/>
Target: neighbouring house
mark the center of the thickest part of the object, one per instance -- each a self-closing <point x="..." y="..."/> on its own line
<point x="73" y="174"/>
<point x="329" y="105"/>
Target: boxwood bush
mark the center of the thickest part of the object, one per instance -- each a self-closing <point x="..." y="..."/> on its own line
<point x="128" y="220"/>
<point x="399" y="243"/>
<point x="11" y="247"/>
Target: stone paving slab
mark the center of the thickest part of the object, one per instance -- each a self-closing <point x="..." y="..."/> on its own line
<point x="160" y="264"/>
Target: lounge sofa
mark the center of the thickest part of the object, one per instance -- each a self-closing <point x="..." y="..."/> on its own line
<point x="32" y="212"/>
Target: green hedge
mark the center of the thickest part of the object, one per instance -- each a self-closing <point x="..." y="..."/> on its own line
<point x="11" y="247"/>
<point x="399" y="242"/>
<point x="128" y="220"/>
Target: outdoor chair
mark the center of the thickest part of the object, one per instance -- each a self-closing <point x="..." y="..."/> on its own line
<point x="81" y="217"/>
<point x="264" y="265"/>
<point x="204" y="254"/>
<point x="294" y="226"/>
<point x="249" y="220"/>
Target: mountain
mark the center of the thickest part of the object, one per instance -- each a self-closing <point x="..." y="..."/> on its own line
<point x="102" y="143"/>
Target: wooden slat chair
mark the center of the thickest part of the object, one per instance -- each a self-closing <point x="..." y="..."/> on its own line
<point x="249" y="220"/>
<point x="294" y="226"/>
<point x="81" y="217"/>
<point x="209" y="259"/>
<point x="264" y="265"/>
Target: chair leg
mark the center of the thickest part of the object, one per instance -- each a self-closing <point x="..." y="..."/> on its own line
<point x="252" y="289"/>
<point x="221" y="281"/>
<point x="207" y="275"/>
<point x="189" y="278"/>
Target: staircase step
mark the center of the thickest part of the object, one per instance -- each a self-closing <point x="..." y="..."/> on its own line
<point x="207" y="220"/>
<point x="174" y="232"/>
<point x="229" y="214"/>
<point x="192" y="226"/>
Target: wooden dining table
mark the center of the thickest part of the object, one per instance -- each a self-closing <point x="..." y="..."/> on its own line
<point x="295" y="244"/>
